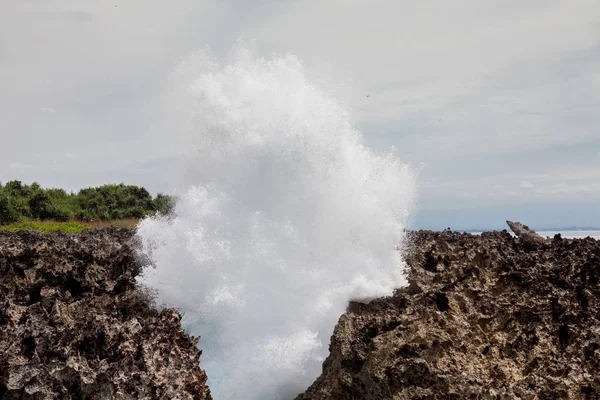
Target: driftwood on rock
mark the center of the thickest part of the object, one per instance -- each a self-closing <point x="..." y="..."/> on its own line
<point x="524" y="232"/>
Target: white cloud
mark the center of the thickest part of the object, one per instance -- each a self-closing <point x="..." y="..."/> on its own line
<point x="556" y="184"/>
<point x="526" y="185"/>
<point x="447" y="82"/>
<point x="482" y="69"/>
<point x="19" y="166"/>
<point x="104" y="68"/>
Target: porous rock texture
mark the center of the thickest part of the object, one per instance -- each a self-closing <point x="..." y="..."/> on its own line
<point x="73" y="325"/>
<point x="485" y="317"/>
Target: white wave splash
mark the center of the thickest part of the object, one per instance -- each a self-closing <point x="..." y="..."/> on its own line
<point x="284" y="216"/>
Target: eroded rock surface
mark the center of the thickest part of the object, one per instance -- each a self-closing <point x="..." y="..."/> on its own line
<point x="74" y="326"/>
<point x="524" y="232"/>
<point x="485" y="317"/>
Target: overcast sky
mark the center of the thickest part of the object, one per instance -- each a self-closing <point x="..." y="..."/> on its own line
<point x="496" y="103"/>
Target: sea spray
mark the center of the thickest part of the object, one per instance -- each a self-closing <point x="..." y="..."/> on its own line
<point x="283" y="217"/>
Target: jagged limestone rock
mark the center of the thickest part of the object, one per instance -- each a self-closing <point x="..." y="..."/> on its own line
<point x="73" y="324"/>
<point x="485" y="317"/>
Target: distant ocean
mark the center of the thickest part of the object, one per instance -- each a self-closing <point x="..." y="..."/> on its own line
<point x="571" y="234"/>
<point x="567" y="234"/>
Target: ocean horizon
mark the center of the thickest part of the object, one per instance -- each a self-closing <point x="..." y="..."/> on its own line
<point x="565" y="233"/>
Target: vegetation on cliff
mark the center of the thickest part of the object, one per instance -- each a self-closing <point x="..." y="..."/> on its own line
<point x="19" y="201"/>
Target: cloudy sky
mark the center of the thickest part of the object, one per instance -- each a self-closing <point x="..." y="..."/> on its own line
<point x="495" y="103"/>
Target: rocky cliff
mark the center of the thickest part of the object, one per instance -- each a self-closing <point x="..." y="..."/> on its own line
<point x="493" y="316"/>
<point x="74" y="326"/>
<point x="485" y="317"/>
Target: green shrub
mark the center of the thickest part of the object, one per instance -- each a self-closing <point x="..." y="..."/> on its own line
<point x="19" y="201"/>
<point x="164" y="204"/>
<point x="135" y="212"/>
<point x="7" y="211"/>
<point x="16" y="188"/>
<point x="39" y="204"/>
<point x="60" y="212"/>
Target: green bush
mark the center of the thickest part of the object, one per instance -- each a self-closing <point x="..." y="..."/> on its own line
<point x="104" y="203"/>
<point x="60" y="212"/>
<point x="39" y="204"/>
<point x="164" y="204"/>
<point x="7" y="211"/>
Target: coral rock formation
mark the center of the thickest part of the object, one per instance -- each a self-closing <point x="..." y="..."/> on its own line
<point x="484" y="317"/>
<point x="74" y="326"/>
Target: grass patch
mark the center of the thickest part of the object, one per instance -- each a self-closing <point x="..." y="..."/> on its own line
<point x="73" y="226"/>
<point x="46" y="227"/>
<point x="131" y="223"/>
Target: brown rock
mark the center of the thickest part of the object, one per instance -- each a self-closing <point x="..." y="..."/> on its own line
<point x="73" y="325"/>
<point x="524" y="232"/>
<point x="484" y="317"/>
